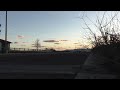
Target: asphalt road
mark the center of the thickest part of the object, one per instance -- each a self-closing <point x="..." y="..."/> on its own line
<point x="38" y="71"/>
<point x="40" y="66"/>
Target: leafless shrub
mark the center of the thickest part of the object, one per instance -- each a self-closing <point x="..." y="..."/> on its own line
<point x="37" y="44"/>
<point x="107" y="27"/>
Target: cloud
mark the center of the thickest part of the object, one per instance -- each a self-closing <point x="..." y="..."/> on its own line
<point x="63" y="40"/>
<point x="50" y="41"/>
<point x="61" y="48"/>
<point x="20" y="36"/>
<point x="43" y="46"/>
<point x="24" y="42"/>
<point x="76" y="43"/>
<point x="15" y="42"/>
<point x="56" y="43"/>
<point x="23" y="45"/>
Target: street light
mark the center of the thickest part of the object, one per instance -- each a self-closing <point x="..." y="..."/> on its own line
<point x="6" y="34"/>
<point x="6" y="28"/>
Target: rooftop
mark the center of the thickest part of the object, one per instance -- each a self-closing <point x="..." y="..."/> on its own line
<point x="1" y="40"/>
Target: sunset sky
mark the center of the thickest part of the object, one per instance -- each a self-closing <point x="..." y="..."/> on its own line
<point x="24" y="27"/>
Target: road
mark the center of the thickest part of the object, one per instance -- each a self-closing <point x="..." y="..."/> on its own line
<point x="38" y="66"/>
<point x="38" y="71"/>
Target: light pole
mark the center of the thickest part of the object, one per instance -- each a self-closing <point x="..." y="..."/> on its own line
<point x="6" y="33"/>
<point x="6" y="28"/>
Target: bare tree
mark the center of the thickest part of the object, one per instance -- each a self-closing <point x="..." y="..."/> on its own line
<point x="37" y="44"/>
<point x="107" y="26"/>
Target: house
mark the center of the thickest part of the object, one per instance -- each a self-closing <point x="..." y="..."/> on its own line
<point x="2" y="46"/>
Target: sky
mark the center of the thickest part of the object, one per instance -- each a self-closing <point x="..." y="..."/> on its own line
<point x="24" y="27"/>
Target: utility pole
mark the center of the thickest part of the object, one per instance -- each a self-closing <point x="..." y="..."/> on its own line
<point x="6" y="33"/>
<point x="6" y="28"/>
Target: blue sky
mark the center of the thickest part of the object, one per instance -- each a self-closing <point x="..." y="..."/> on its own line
<point x="44" y="25"/>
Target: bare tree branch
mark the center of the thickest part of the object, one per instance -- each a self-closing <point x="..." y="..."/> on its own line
<point x="107" y="28"/>
<point x="111" y="19"/>
<point x="37" y="44"/>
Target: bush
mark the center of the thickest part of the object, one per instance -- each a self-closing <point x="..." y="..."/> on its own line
<point x="110" y="50"/>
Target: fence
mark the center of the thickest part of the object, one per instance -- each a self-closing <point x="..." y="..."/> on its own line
<point x="23" y="50"/>
<point x="27" y="50"/>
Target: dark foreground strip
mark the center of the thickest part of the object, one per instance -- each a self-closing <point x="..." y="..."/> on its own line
<point x="36" y="76"/>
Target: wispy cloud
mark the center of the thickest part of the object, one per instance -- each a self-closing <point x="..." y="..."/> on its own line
<point x="23" y="45"/>
<point x="63" y="40"/>
<point x="20" y="36"/>
<point x="60" y="48"/>
<point x="50" y="41"/>
<point x="43" y="46"/>
<point x="24" y="42"/>
<point x="15" y="42"/>
<point x="56" y="43"/>
<point x="76" y="43"/>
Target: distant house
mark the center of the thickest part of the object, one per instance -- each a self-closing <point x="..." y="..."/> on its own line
<point x="2" y="46"/>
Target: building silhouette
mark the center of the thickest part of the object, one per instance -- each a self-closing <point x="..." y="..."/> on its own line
<point x="2" y="46"/>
